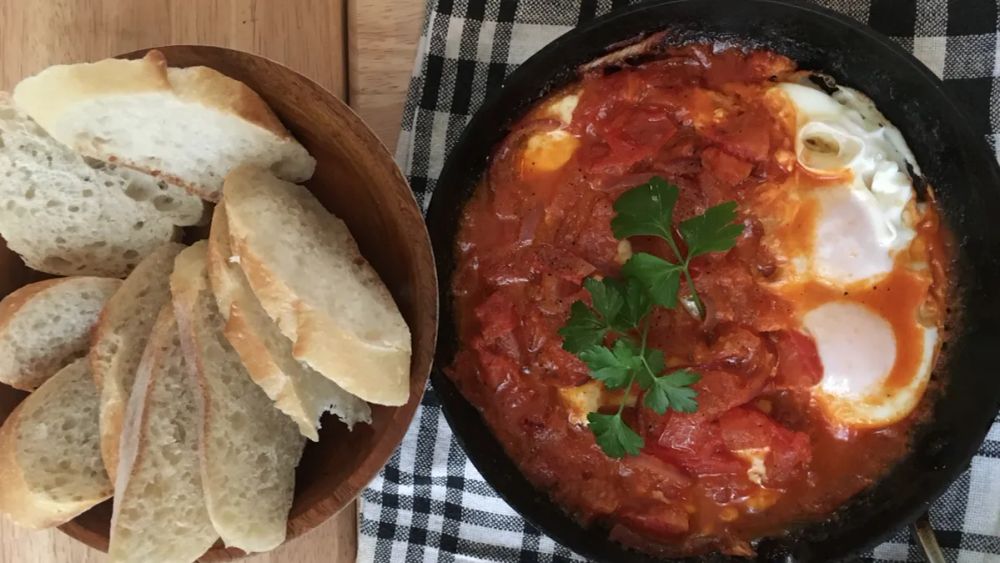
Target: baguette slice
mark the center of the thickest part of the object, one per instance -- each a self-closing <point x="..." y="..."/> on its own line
<point x="305" y="268"/>
<point x="65" y="217"/>
<point x="46" y="325"/>
<point x="159" y="509"/>
<point x="50" y="458"/>
<point x="190" y="126"/>
<point x="249" y="449"/>
<point x="120" y="338"/>
<point x="298" y="391"/>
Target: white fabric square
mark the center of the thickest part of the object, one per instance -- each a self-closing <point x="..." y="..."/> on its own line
<point x="931" y="51"/>
<point x="526" y="39"/>
<point x="982" y="513"/>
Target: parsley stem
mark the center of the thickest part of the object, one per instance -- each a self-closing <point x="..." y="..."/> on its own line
<point x="686" y="266"/>
<point x="694" y="293"/>
<point x="673" y="246"/>
<point x="628" y="388"/>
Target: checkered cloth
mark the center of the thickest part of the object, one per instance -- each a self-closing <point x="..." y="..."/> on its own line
<point x="430" y="503"/>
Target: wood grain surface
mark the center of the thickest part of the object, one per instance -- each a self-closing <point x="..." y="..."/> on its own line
<point x="369" y="44"/>
<point x="382" y="37"/>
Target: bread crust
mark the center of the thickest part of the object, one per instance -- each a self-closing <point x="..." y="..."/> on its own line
<point x="16" y="500"/>
<point x="47" y="94"/>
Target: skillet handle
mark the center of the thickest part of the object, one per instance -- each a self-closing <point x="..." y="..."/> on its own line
<point x="928" y="541"/>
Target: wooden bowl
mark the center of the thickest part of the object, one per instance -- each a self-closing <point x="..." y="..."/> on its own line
<point x="358" y="181"/>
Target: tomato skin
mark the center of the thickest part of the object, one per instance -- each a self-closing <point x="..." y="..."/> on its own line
<point x="799" y="366"/>
<point x="726" y="168"/>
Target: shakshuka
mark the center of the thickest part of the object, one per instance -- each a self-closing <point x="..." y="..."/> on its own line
<point x="817" y="329"/>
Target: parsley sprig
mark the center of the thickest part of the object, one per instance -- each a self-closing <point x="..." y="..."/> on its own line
<point x="610" y="336"/>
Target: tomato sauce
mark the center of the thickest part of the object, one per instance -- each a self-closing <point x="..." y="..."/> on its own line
<point x="757" y="456"/>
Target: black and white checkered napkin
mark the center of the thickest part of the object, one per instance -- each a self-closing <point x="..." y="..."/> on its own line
<point x="430" y="503"/>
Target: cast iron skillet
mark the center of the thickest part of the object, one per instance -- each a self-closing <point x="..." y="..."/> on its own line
<point x="953" y="159"/>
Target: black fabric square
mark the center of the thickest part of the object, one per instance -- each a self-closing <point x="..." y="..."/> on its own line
<point x="463" y="87"/>
<point x="893" y="17"/>
<point x="390" y="501"/>
<point x="528" y="557"/>
<point x="508" y="9"/>
<point x="422" y="505"/>
<point x="418" y="536"/>
<point x="456" y="482"/>
<point x="495" y="75"/>
<point x="972" y="17"/>
<point x="588" y="10"/>
<point x="449" y="543"/>
<point x="973" y="96"/>
<point x="452" y="510"/>
<point x="949" y="538"/>
<point x="432" y="82"/>
<point x="476" y="11"/>
<point x="386" y="530"/>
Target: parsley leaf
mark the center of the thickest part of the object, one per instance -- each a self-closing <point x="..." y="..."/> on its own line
<point x="672" y="391"/>
<point x="659" y="278"/>
<point x="583" y="329"/>
<point x="613" y="435"/>
<point x="607" y="298"/>
<point x="712" y="231"/>
<point x="612" y="367"/>
<point x="637" y="305"/>
<point x="645" y="210"/>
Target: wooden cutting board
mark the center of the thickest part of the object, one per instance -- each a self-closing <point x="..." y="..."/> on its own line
<point x="361" y="50"/>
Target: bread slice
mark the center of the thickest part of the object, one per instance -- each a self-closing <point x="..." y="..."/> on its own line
<point x="249" y="449"/>
<point x="189" y="126"/>
<point x="159" y="509"/>
<point x="120" y="338"/>
<point x="305" y="268"/>
<point x="46" y="325"/>
<point x="67" y="216"/>
<point x="50" y="459"/>
<point x="298" y="391"/>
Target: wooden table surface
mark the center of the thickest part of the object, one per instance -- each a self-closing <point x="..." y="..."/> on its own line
<point x="361" y="50"/>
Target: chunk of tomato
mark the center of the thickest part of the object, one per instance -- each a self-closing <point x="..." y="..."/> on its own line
<point x="748" y="429"/>
<point x="655" y="519"/>
<point x="799" y="365"/>
<point x="694" y="444"/>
